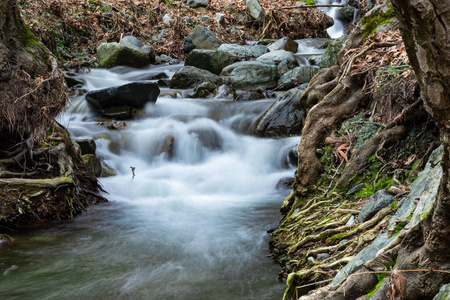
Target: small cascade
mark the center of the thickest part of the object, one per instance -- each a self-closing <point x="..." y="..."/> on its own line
<point x="337" y="30"/>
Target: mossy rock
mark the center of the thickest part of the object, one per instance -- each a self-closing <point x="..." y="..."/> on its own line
<point x="93" y="164"/>
<point x="329" y="58"/>
<point x="115" y="54"/>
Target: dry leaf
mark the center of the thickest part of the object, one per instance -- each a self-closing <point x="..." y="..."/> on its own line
<point x="397" y="283"/>
<point x="410" y="159"/>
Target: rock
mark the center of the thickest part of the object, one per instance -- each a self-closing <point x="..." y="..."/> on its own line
<point x="351" y="221"/>
<point x="220" y="19"/>
<point x="298" y="75"/>
<point x="250" y="95"/>
<point x="356" y="189"/>
<point x="133" y="95"/>
<point x="377" y="202"/>
<point x="119" y="112"/>
<point x="346" y="13"/>
<point x="236" y="50"/>
<point x="330" y="57"/>
<point x="133" y="42"/>
<point x="362" y="257"/>
<point x="323" y="256"/>
<point x="283" y="118"/>
<point x="250" y="75"/>
<point x="224" y="92"/>
<point x="87" y="146"/>
<point x="258" y="50"/>
<point x="444" y="293"/>
<point x="316" y="43"/>
<point x="293" y="156"/>
<point x="163" y="59"/>
<point x="189" y="77"/>
<point x="210" y="60"/>
<point x="315" y="60"/>
<point x="284" y="60"/>
<point x="93" y="164"/>
<point x="205" y="19"/>
<point x="286" y="44"/>
<point x="107" y="171"/>
<point x="115" y="54"/>
<point x="208" y="137"/>
<point x="197" y="3"/>
<point x="255" y="9"/>
<point x="203" y="90"/>
<point x="117" y="125"/>
<point x="72" y="80"/>
<point x="167" y="20"/>
<point x="285" y="183"/>
<point x="168" y="147"/>
<point x="201" y="38"/>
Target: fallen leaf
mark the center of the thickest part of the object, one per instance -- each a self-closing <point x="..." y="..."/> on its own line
<point x="397" y="284"/>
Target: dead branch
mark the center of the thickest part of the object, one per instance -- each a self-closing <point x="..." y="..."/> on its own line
<point x="51" y="183"/>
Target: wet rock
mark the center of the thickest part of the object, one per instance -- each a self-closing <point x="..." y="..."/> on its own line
<point x="87" y="146"/>
<point x="205" y="19"/>
<point x="293" y="156"/>
<point x="220" y="19"/>
<point x="224" y="92"/>
<point x="285" y="183"/>
<point x="236" y="50"/>
<point x="315" y="60"/>
<point x="119" y="112"/>
<point x="93" y="164"/>
<point x="117" y="125"/>
<point x="323" y="256"/>
<point x="377" y="202"/>
<point x="115" y="54"/>
<point x="285" y="43"/>
<point x="283" y="118"/>
<point x="133" y="42"/>
<point x="251" y="95"/>
<point x="210" y="60"/>
<point x="189" y="77"/>
<point x="203" y="90"/>
<point x="346" y="13"/>
<point x="132" y="95"/>
<point x="168" y="147"/>
<point x="197" y="3"/>
<point x="208" y="137"/>
<point x="72" y="80"/>
<point x="250" y="75"/>
<point x="298" y="75"/>
<point x="107" y="171"/>
<point x="161" y="59"/>
<point x="201" y="38"/>
<point x="255" y="9"/>
<point x="330" y="56"/>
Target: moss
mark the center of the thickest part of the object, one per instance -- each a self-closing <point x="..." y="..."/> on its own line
<point x="422" y="216"/>
<point x="380" y="278"/>
<point x="399" y="227"/>
<point x="310" y="2"/>
<point x="375" y="20"/>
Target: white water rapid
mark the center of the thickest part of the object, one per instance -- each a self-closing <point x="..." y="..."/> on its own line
<point x="188" y="227"/>
<point x="337" y="30"/>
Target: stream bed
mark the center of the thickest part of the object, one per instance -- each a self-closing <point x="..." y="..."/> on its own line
<point x="187" y="226"/>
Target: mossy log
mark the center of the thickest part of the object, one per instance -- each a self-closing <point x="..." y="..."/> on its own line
<point x="48" y="183"/>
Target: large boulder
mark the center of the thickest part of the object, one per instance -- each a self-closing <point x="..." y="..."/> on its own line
<point x="284" y="60"/>
<point x="255" y="9"/>
<point x="284" y="116"/>
<point x="299" y="75"/>
<point x="189" y="77"/>
<point x="115" y="54"/>
<point x="285" y="43"/>
<point x="377" y="202"/>
<point x="133" y="42"/>
<point x="210" y="60"/>
<point x="236" y="50"/>
<point x="201" y="38"/>
<point x="250" y="75"/>
<point x="132" y="95"/>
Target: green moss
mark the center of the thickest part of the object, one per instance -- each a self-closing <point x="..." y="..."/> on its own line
<point x="422" y="216"/>
<point x="375" y="20"/>
<point x="310" y="2"/>
<point x="399" y="227"/>
<point x="380" y="278"/>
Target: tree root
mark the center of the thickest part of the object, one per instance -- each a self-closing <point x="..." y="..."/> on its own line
<point x="53" y="183"/>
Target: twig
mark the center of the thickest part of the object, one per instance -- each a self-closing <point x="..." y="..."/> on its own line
<point x="312" y="6"/>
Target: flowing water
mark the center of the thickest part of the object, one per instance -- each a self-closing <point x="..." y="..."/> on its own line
<point x="191" y="225"/>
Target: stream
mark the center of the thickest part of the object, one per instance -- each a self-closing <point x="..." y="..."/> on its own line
<point x="191" y="225"/>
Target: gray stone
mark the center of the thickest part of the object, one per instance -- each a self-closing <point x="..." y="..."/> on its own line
<point x="293" y="156"/>
<point x="107" y="171"/>
<point x="197" y="3"/>
<point x="283" y="118"/>
<point x="203" y="90"/>
<point x="351" y="221"/>
<point x="236" y="50"/>
<point x="133" y="42"/>
<point x="285" y="43"/>
<point x="259" y="50"/>
<point x="444" y="293"/>
<point x="285" y="60"/>
<point x="134" y="95"/>
<point x="356" y="189"/>
<point x="220" y="19"/>
<point x="362" y="257"/>
<point x="250" y="95"/>
<point x="285" y="183"/>
<point x="72" y="80"/>
<point x="167" y="20"/>
<point x="346" y="13"/>
<point x="250" y="75"/>
<point x="115" y="54"/>
<point x="168" y="147"/>
<point x="87" y="146"/>
<point x="210" y="60"/>
<point x="117" y="125"/>
<point x="330" y="57"/>
<point x="323" y="256"/>
<point x="201" y="38"/>
<point x="298" y="75"/>
<point x="224" y="92"/>
<point x="315" y="59"/>
<point x="189" y="77"/>
<point x="205" y="19"/>
<point x="255" y="9"/>
<point x="377" y="202"/>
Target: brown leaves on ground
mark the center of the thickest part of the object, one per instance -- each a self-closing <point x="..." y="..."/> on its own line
<point x="397" y="283"/>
